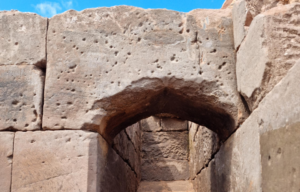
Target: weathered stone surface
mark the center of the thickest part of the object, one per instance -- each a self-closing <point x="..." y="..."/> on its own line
<point x="6" y="155"/>
<point x="242" y="19"/>
<point x="206" y="181"/>
<point x="22" y="38"/>
<point x="171" y="145"/>
<point x="135" y="135"/>
<point x="127" y="151"/>
<point x="172" y="124"/>
<point x="281" y="159"/>
<point x="203" y="144"/>
<point x="164" y="170"/>
<point x="278" y="119"/>
<point x="111" y="67"/>
<point x="21" y="93"/>
<point x="53" y="161"/>
<point x="166" y="186"/>
<point x="151" y="124"/>
<point x="68" y="161"/>
<point x="269" y="50"/>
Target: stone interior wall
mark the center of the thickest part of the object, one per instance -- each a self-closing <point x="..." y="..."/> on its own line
<point x="70" y="84"/>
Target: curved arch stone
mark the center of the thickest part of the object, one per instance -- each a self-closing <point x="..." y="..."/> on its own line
<point x="110" y="67"/>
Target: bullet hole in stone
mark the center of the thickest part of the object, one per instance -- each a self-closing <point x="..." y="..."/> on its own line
<point x="83" y="39"/>
<point x="221" y="66"/>
<point x="32" y="141"/>
<point x="128" y="53"/>
<point x="200" y="72"/>
<point x="119" y="83"/>
<point x="111" y="82"/>
<point x="139" y="39"/>
<point x="73" y="90"/>
<point x="68" y="140"/>
<point x="173" y="57"/>
<point x="207" y="38"/>
<point x="43" y="162"/>
<point x="16" y="43"/>
<point x="77" y="48"/>
<point x="156" y="61"/>
<point x="169" y="73"/>
<point x="61" y="71"/>
<point x="34" y="94"/>
<point x="111" y="46"/>
<point x="213" y="51"/>
<point x="74" y="46"/>
<point x="229" y="73"/>
<point x="116" y="62"/>
<point x="15" y="102"/>
<point x="53" y="31"/>
<point x="73" y="66"/>
<point x="81" y="52"/>
<point x="187" y="30"/>
<point x="63" y="117"/>
<point x="64" y="37"/>
<point x="269" y="158"/>
<point x="106" y="42"/>
<point x="96" y="41"/>
<point x="208" y="63"/>
<point x="69" y="103"/>
<point x="26" y="125"/>
<point x="116" y="53"/>
<point x="140" y="24"/>
<point x="57" y="104"/>
<point x="21" y="95"/>
<point x="15" y="120"/>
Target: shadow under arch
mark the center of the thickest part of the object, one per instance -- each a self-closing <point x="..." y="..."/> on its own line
<point x="203" y="102"/>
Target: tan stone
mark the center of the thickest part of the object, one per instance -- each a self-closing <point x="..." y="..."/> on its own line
<point x="164" y="170"/>
<point x="166" y="186"/>
<point x="269" y="50"/>
<point x="21" y="93"/>
<point x="6" y="155"/>
<point x="151" y="124"/>
<point x="242" y="19"/>
<point x="172" y="124"/>
<point x="134" y="134"/>
<point x="111" y="67"/>
<point x="68" y="161"/>
<point x="22" y="38"/>
<point x="203" y="144"/>
<point x="171" y="145"/>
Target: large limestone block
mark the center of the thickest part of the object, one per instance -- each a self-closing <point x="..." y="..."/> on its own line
<point x="166" y="186"/>
<point x="172" y="124"/>
<point x="171" y="145"/>
<point x="127" y="151"/>
<point x="203" y="144"/>
<point x="164" y="170"/>
<point x="151" y="124"/>
<point x="269" y="50"/>
<point x="6" y="155"/>
<point x="279" y="119"/>
<point x="21" y="93"/>
<point x="68" y="161"/>
<point x="55" y="161"/>
<point x="242" y="19"/>
<point x="135" y="135"/>
<point x="236" y="166"/>
<point x="22" y="38"/>
<point x="108" y="68"/>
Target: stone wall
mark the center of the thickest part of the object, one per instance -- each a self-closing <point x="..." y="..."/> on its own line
<point x="72" y="84"/>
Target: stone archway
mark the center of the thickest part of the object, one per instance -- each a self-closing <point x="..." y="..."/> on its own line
<point x="110" y="67"/>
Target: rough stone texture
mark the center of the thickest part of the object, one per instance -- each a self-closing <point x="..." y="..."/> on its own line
<point x="129" y="152"/>
<point x="54" y="161"/>
<point x="6" y="155"/>
<point x="164" y="170"/>
<point x="21" y="93"/>
<point x="151" y="124"/>
<point x="134" y="134"/>
<point x="281" y="159"/>
<point x="22" y="38"/>
<point x="68" y="161"/>
<point x="110" y="67"/>
<point x="269" y="50"/>
<point x="166" y="186"/>
<point x="236" y="166"/>
<point x="281" y="120"/>
<point x="172" y="145"/>
<point x="203" y="144"/>
<point x="242" y="19"/>
<point x="173" y="124"/>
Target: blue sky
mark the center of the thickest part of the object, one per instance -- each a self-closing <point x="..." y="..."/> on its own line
<point x="52" y="7"/>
